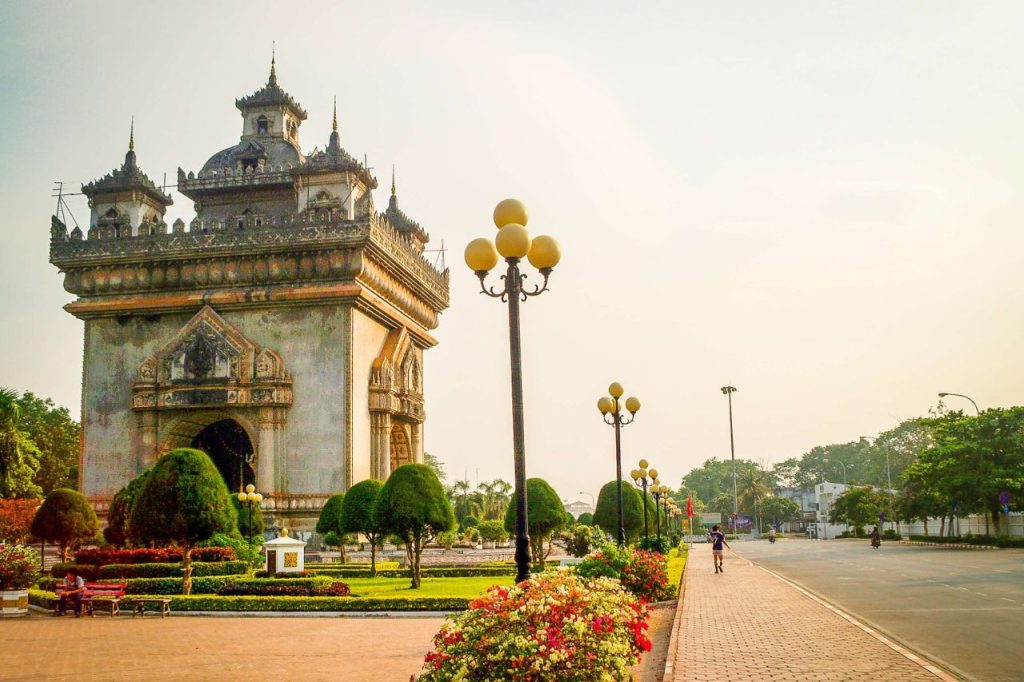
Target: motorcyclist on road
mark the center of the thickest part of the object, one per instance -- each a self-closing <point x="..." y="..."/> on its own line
<point x="876" y="538"/>
<point x="771" y="535"/>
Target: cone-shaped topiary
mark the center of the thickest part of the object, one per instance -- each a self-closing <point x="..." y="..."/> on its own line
<point x="65" y="519"/>
<point x="412" y="505"/>
<point x="359" y="515"/>
<point x="606" y="514"/>
<point x="183" y="501"/>
<point x="545" y="514"/>
<point x="332" y="521"/>
<point x="116" y="532"/>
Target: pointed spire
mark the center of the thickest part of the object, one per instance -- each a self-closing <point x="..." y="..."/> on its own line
<point x="273" y="60"/>
<point x="334" y="121"/>
<point x="129" y="158"/>
<point x="394" y="191"/>
<point x="131" y="137"/>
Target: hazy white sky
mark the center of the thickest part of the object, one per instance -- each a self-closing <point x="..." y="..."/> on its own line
<point x="817" y="202"/>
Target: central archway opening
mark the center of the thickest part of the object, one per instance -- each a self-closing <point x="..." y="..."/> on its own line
<point x="230" y="448"/>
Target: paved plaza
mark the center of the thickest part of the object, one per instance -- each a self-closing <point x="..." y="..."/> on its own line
<point x="747" y="624"/>
<point x="197" y="648"/>
<point x="962" y="608"/>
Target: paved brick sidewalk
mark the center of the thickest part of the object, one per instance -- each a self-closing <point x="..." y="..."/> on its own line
<point x="190" y="648"/>
<point x="747" y="624"/>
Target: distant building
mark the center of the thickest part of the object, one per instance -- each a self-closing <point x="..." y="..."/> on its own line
<point x="578" y="507"/>
<point x="807" y="500"/>
<point x="826" y="494"/>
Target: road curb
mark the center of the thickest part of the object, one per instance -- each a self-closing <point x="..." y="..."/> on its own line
<point x="905" y="651"/>
<point x="946" y="545"/>
<point x="668" y="675"/>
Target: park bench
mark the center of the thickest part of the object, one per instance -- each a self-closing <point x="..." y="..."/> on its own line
<point x="107" y="594"/>
<point x="139" y="605"/>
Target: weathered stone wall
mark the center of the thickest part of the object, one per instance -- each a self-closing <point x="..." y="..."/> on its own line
<point x="367" y="340"/>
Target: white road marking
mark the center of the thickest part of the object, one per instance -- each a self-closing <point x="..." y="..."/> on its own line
<point x="1008" y="599"/>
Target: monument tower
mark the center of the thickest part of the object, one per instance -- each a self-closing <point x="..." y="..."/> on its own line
<point x="282" y="331"/>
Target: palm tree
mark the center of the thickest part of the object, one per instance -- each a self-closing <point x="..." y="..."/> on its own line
<point x="19" y="457"/>
<point x="465" y="501"/>
<point x="753" y="486"/>
<point x="494" y="497"/>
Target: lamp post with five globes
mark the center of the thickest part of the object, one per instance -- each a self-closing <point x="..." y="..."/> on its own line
<point x="513" y="243"/>
<point x="611" y="412"/>
<point x="250" y="497"/>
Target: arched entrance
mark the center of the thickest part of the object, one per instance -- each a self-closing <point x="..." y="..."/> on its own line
<point x="230" y="448"/>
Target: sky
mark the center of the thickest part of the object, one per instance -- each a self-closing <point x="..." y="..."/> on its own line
<point x="816" y="202"/>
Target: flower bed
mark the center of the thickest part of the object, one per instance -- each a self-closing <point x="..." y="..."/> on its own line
<point x="156" y="570"/>
<point x="212" y="602"/>
<point x="100" y="557"/>
<point x="553" y="626"/>
<point x="296" y="587"/>
<point x="135" y="586"/>
<point x="427" y="572"/>
<point x="645" y="574"/>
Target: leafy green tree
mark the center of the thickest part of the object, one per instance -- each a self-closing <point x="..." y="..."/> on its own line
<point x="57" y="436"/>
<point x="116" y="532"/>
<point x="465" y="500"/>
<point x="332" y="539"/>
<point x="469" y="522"/>
<point x="586" y="519"/>
<point x="545" y="514"/>
<point x="494" y="497"/>
<point x="493" y="530"/>
<point x="359" y="515"/>
<point x="437" y="466"/>
<point x="183" y="501"/>
<point x="413" y="505"/>
<point x="858" y="507"/>
<point x="332" y="520"/>
<point x="753" y="487"/>
<point x="780" y="510"/>
<point x="66" y="519"/>
<point x="920" y="499"/>
<point x="974" y="459"/>
<point x="19" y="456"/>
<point x="606" y="515"/>
<point x="785" y="472"/>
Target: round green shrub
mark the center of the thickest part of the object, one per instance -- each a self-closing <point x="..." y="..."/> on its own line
<point x="65" y="518"/>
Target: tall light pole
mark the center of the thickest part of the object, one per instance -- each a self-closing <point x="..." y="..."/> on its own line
<point x="888" y="478"/>
<point x="611" y="412"/>
<point x="250" y="497"/>
<point x="966" y="397"/>
<point x="593" y="500"/>
<point x="728" y="391"/>
<point x="514" y="243"/>
<point x="842" y="464"/>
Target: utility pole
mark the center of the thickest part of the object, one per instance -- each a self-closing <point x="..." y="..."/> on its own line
<point x="728" y="391"/>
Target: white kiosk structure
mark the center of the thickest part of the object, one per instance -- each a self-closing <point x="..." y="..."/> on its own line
<point x="284" y="554"/>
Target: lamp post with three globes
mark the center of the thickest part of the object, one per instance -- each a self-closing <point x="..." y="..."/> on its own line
<point x="611" y="412"/>
<point x="513" y="243"/>
<point x="250" y="497"/>
<point x="642" y="478"/>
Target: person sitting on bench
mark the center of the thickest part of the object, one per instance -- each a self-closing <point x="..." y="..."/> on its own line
<point x="74" y="590"/>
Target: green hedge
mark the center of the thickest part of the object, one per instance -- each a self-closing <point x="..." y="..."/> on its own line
<point x="456" y="572"/>
<point x="359" y="566"/>
<point x="111" y="571"/>
<point x="202" y="602"/>
<point x="200" y="585"/>
<point x="984" y="540"/>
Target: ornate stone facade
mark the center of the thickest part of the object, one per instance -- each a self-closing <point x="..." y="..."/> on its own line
<point x="288" y="309"/>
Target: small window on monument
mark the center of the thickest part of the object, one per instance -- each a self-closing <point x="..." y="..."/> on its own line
<point x="262" y="125"/>
<point x="241" y="224"/>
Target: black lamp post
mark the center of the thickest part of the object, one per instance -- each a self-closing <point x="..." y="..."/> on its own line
<point x="660" y="493"/>
<point x="642" y="478"/>
<point x="514" y="243"/>
<point x="611" y="411"/>
<point x="249" y="498"/>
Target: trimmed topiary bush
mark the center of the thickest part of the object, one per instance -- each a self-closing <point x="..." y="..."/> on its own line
<point x="183" y="501"/>
<point x="332" y="521"/>
<point x="412" y="504"/>
<point x="359" y="515"/>
<point x="66" y="518"/>
<point x="545" y="514"/>
<point x="116" y="532"/>
<point x="606" y="515"/>
<point x="586" y="518"/>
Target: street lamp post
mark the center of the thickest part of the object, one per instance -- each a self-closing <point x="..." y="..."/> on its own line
<point x="611" y="412"/>
<point x="728" y="391"/>
<point x="660" y="494"/>
<point x="966" y="397"/>
<point x="249" y="498"/>
<point x="593" y="501"/>
<point x="888" y="478"/>
<point x="513" y="243"/>
<point x="842" y="464"/>
<point x="642" y="478"/>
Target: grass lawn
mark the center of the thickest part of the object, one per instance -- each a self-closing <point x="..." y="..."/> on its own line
<point x="676" y="562"/>
<point x="429" y="587"/>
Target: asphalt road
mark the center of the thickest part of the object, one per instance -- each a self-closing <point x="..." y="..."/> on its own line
<point x="964" y="609"/>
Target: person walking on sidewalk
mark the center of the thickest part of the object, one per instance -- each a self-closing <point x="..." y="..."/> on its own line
<point x="717" y="539"/>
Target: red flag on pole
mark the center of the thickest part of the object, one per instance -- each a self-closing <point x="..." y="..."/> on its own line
<point x="689" y="507"/>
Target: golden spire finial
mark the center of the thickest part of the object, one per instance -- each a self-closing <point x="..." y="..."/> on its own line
<point x="334" y="121"/>
<point x="394" y="192"/>
<point x="273" y="62"/>
<point x="131" y="137"/>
